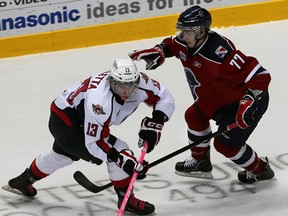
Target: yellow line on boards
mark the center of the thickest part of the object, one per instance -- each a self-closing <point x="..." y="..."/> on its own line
<point x="137" y="29"/>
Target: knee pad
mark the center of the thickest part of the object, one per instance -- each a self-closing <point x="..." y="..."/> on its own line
<point x="49" y="161"/>
<point x="195" y="119"/>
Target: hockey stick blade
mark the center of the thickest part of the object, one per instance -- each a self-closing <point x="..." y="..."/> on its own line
<point x="87" y="184"/>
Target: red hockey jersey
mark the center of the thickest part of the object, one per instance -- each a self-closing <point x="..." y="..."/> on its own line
<point x="217" y="73"/>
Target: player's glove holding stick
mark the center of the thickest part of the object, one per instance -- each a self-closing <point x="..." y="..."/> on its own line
<point x="126" y="160"/>
<point x="246" y="111"/>
<point x="154" y="57"/>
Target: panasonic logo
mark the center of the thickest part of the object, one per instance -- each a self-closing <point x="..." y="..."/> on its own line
<point x="42" y="19"/>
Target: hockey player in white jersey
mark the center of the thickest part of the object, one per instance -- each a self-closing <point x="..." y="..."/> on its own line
<point x="80" y="120"/>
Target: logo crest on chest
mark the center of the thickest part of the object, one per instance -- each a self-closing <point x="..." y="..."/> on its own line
<point x="98" y="109"/>
<point x="197" y="64"/>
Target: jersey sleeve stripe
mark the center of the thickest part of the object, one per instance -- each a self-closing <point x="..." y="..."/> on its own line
<point x="256" y="70"/>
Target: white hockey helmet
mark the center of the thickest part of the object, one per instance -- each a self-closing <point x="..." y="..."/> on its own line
<point x="124" y="72"/>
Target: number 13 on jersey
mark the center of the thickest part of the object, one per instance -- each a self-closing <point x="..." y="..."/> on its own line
<point x="92" y="129"/>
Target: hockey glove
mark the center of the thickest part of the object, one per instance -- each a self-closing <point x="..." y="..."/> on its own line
<point x="154" y="57"/>
<point x="127" y="162"/>
<point x="151" y="132"/>
<point x="142" y="174"/>
<point x="247" y="107"/>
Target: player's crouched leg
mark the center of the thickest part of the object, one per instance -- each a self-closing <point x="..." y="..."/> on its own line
<point x="121" y="180"/>
<point x="255" y="168"/>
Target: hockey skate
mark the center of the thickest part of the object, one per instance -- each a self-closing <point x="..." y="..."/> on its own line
<point x="194" y="168"/>
<point x="248" y="177"/>
<point x="22" y="185"/>
<point x="135" y="205"/>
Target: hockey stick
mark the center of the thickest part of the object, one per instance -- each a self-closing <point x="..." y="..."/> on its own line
<point x="88" y="185"/>
<point x="132" y="181"/>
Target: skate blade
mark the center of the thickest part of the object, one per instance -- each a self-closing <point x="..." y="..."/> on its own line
<point x="268" y="180"/>
<point x="11" y="190"/>
<point x="203" y="175"/>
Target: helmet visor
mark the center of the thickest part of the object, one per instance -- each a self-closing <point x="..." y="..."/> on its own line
<point x="187" y="33"/>
<point x="124" y="89"/>
<point x="125" y="84"/>
<point x="180" y="26"/>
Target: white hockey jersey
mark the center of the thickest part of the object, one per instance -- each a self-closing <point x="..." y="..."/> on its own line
<point x="93" y="105"/>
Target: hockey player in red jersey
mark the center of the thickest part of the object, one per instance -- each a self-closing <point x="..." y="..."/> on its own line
<point x="226" y="85"/>
<point x="80" y="123"/>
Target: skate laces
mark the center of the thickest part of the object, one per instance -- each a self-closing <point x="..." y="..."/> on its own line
<point x="134" y="202"/>
<point x="190" y="162"/>
<point x="250" y="175"/>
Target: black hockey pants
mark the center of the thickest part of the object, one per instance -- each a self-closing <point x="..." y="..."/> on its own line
<point x="70" y="141"/>
<point x="238" y="137"/>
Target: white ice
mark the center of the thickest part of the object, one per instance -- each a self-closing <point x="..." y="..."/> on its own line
<point x="30" y="83"/>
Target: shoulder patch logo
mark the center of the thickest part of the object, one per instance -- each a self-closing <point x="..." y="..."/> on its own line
<point x="221" y="52"/>
<point x="98" y="109"/>
<point x="182" y="56"/>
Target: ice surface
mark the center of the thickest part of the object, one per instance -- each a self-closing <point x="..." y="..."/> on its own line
<point x="29" y="84"/>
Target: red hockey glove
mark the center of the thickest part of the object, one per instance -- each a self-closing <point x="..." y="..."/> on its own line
<point x="245" y="114"/>
<point x="151" y="132"/>
<point x="127" y="161"/>
<point x="154" y="57"/>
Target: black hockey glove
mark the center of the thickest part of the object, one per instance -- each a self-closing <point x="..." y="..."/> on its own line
<point x="151" y="132"/>
<point x="154" y="57"/>
<point x="142" y="174"/>
<point x="247" y="108"/>
<point x="128" y="162"/>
